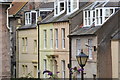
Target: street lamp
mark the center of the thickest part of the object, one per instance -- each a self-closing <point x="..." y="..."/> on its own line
<point x="82" y="59"/>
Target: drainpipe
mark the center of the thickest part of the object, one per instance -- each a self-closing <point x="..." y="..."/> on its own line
<point x="8" y="19"/>
<point x="70" y="63"/>
<point x="10" y="38"/>
<point x="38" y="52"/>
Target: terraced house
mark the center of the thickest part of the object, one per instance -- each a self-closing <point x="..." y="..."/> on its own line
<point x="54" y="43"/>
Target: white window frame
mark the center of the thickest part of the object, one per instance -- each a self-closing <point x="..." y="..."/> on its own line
<point x="51" y="38"/>
<point x="28" y="19"/>
<point x="71" y="7"/>
<point x="63" y="68"/>
<point x="98" y="19"/>
<point x="90" y="44"/>
<point x="45" y="67"/>
<point x="45" y="38"/>
<point x="78" y="46"/>
<point x="63" y="38"/>
<point x="56" y="38"/>
<point x="57" y="3"/>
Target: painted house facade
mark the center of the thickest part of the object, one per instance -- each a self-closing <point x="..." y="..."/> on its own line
<point x="54" y="43"/>
<point x="94" y="38"/>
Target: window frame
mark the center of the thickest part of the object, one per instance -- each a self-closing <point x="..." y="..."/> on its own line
<point x="51" y="38"/>
<point x="99" y="17"/>
<point x="63" y="37"/>
<point x="90" y="50"/>
<point x="28" y="19"/>
<point x="45" y="38"/>
<point x="70" y="6"/>
<point x="63" y="68"/>
<point x="57" y="11"/>
<point x="56" y="38"/>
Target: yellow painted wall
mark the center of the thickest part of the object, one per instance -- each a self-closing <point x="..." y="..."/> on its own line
<point x="48" y="50"/>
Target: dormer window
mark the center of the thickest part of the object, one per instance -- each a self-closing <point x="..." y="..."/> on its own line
<point x="59" y="7"/>
<point x="97" y="16"/>
<point x="44" y="13"/>
<point x="30" y="17"/>
<point x="72" y="6"/>
<point x="102" y="14"/>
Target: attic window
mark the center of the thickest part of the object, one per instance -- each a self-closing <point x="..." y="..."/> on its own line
<point x="72" y="6"/>
<point x="44" y="13"/>
<point x="97" y="16"/>
<point x="30" y="17"/>
<point x="59" y="7"/>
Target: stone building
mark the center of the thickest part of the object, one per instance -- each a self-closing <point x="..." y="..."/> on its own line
<point x="4" y="42"/>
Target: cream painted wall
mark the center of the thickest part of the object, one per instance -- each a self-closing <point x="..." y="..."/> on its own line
<point x="115" y="46"/>
<point x="91" y="65"/>
<point x="30" y="57"/>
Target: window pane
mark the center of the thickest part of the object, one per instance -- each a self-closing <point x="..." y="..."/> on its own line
<point x="63" y="69"/>
<point x="33" y="18"/>
<point x="100" y="12"/>
<point x="90" y="48"/>
<point x="56" y="36"/>
<point x="45" y="67"/>
<point x="63" y="37"/>
<point x="45" y="38"/>
<point x="78" y="49"/>
<point x="43" y="14"/>
<point x="61" y="6"/>
<point x="69" y="6"/>
<point x="74" y="4"/>
<point x="51" y="38"/>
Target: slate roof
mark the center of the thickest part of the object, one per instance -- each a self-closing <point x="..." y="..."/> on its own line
<point x="85" y="31"/>
<point x="112" y="4"/>
<point x="33" y="26"/>
<point x="17" y="6"/>
<point x="63" y="17"/>
<point x="116" y="35"/>
<point x="47" y="5"/>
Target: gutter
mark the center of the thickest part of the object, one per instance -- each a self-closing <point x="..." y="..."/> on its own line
<point x="8" y="19"/>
